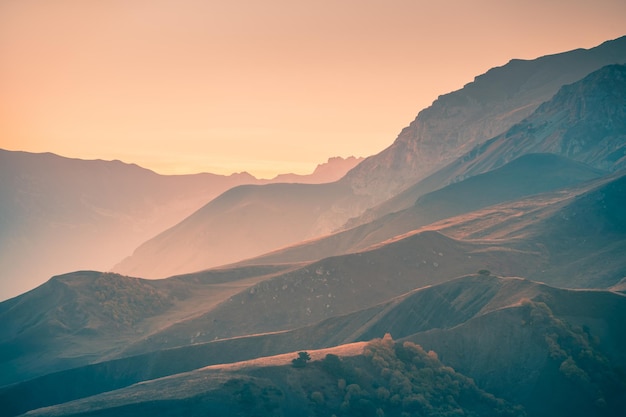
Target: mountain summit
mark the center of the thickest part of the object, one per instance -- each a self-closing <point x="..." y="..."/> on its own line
<point x="484" y="108"/>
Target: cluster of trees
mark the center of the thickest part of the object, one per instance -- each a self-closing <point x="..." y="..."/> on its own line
<point x="583" y="370"/>
<point x="126" y="301"/>
<point x="401" y="379"/>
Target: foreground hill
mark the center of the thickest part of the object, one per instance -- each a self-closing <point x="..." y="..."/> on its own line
<point x="511" y="336"/>
<point x="86" y="316"/>
<point x="562" y="353"/>
<point x="71" y="214"/>
<point x="351" y="384"/>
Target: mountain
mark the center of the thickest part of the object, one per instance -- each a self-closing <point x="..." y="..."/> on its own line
<point x="528" y="237"/>
<point x="243" y="222"/>
<point x="344" y="380"/>
<point x="584" y="121"/>
<point x="330" y="171"/>
<point x="453" y="125"/>
<point x="87" y="317"/>
<point x="529" y="174"/>
<point x="562" y="353"/>
<point x="72" y="214"/>
<point x="499" y="290"/>
<point x="552" y="336"/>
<point x="484" y="108"/>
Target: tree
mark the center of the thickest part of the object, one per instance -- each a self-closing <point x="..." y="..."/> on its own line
<point x="301" y="360"/>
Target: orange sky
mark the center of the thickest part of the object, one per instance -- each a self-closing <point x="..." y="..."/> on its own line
<point x="269" y="86"/>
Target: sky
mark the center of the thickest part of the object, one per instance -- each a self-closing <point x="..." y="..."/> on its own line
<point x="268" y="87"/>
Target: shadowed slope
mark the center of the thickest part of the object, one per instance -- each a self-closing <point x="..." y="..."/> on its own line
<point x="559" y="353"/>
<point x="342" y="284"/>
<point x="342" y="381"/>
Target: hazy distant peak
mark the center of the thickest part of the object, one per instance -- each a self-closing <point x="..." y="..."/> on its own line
<point x="336" y="164"/>
<point x="331" y="170"/>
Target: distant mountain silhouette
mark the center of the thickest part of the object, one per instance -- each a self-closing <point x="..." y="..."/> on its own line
<point x="330" y="171"/>
<point x="60" y="214"/>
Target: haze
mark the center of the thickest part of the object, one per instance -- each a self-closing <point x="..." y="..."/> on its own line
<point x="267" y="87"/>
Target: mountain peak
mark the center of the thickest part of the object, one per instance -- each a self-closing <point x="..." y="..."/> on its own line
<point x="483" y="109"/>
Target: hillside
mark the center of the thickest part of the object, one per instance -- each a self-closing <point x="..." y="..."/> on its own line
<point x="562" y="353"/>
<point x="529" y="174"/>
<point x="350" y="384"/>
<point x="243" y="222"/>
<point x="82" y="317"/>
<point x="465" y="321"/>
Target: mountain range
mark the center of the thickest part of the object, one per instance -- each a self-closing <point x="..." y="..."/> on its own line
<point x="72" y="214"/>
<point x="475" y="267"/>
<point x="590" y="133"/>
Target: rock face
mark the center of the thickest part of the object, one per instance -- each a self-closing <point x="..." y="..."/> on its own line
<point x="585" y="121"/>
<point x="458" y="121"/>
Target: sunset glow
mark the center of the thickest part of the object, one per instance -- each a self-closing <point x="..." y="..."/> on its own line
<point x="267" y="87"/>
